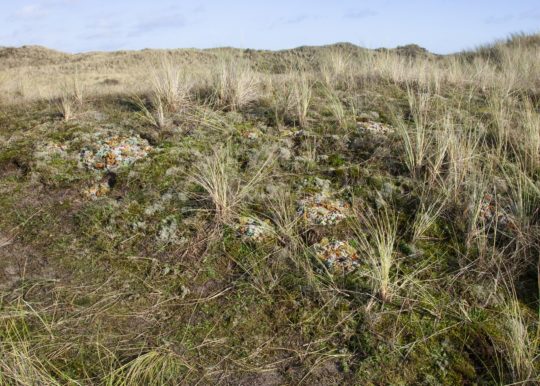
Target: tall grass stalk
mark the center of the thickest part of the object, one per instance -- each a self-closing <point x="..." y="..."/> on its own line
<point x="281" y="98"/>
<point x="235" y="83"/>
<point x="171" y="86"/>
<point x="337" y="107"/>
<point x="66" y="106"/>
<point x="219" y="177"/>
<point x="301" y="93"/>
<point x="428" y="213"/>
<point x="153" y="115"/>
<point x="417" y="140"/>
<point x="335" y="68"/>
<point x="529" y="140"/>
<point x="377" y="234"/>
<point x="520" y="345"/>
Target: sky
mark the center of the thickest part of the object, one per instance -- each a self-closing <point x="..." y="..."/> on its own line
<point x="442" y="26"/>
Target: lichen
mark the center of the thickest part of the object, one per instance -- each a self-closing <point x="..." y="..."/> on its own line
<point x="321" y="209"/>
<point x="338" y="256"/>
<point x="114" y="152"/>
<point x="254" y="229"/>
<point x="97" y="190"/>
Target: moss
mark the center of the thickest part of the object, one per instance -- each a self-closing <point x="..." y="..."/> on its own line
<point x="435" y="360"/>
<point x="376" y="181"/>
<point x="17" y="155"/>
<point x="59" y="172"/>
<point x="147" y="267"/>
<point x="406" y="248"/>
<point x="336" y="160"/>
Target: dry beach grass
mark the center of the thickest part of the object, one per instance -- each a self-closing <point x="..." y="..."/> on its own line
<point x="228" y="186"/>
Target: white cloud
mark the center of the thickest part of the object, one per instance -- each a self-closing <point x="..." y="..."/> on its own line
<point x="298" y="19"/>
<point x="360" y="13"/>
<point x="31" y="11"/>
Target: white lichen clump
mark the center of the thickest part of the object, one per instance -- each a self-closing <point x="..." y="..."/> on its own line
<point x="338" y="256"/>
<point x="375" y="128"/>
<point x="253" y="229"/>
<point x="50" y="149"/>
<point x="321" y="209"/>
<point x="168" y="231"/>
<point x="114" y="152"/>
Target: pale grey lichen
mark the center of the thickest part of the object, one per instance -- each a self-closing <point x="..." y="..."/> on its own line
<point x="338" y="256"/>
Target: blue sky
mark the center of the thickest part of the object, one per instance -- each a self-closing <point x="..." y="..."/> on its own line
<point x="442" y="26"/>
